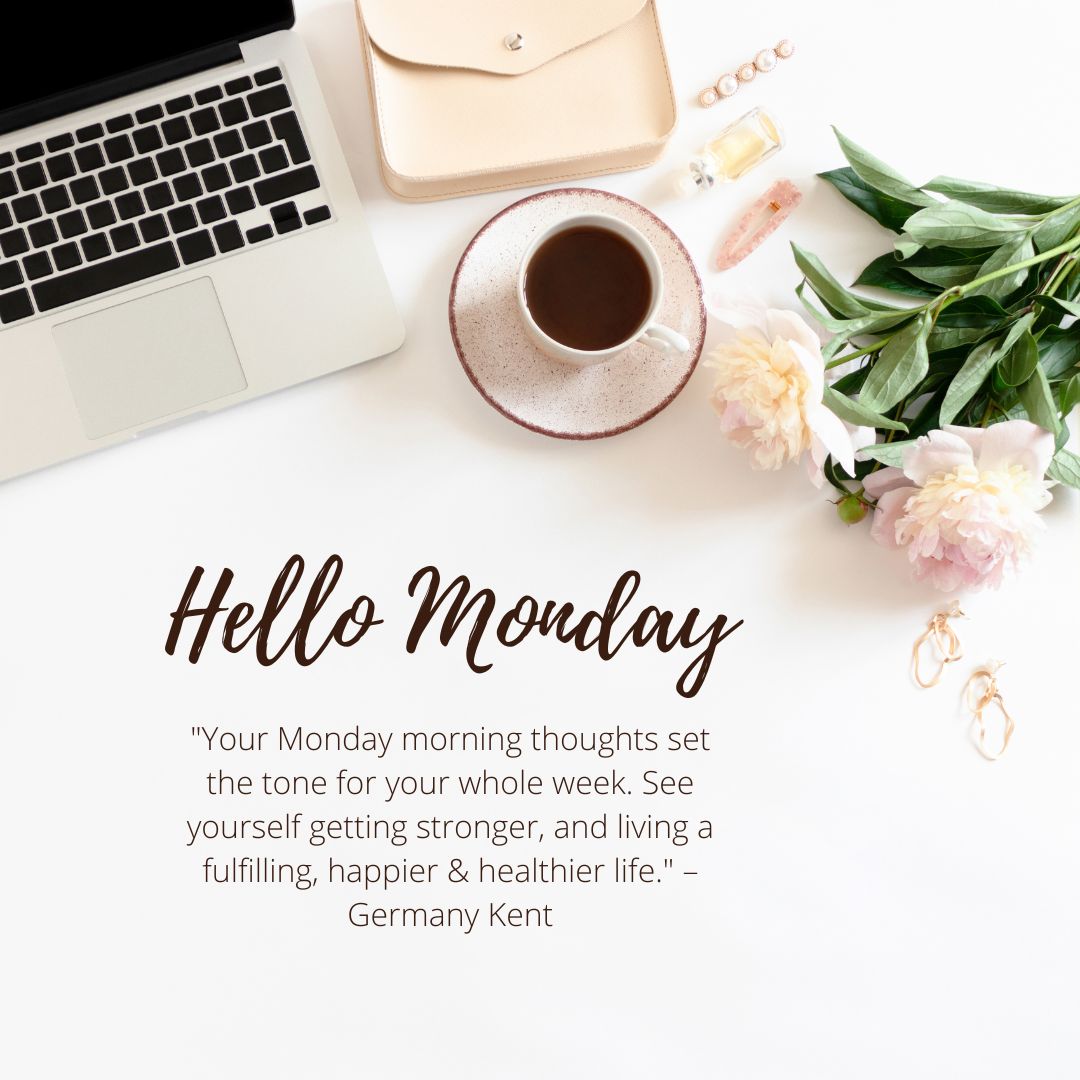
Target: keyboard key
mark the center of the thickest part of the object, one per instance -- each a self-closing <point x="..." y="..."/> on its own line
<point x="30" y="151"/>
<point x="205" y="121"/>
<point x="287" y="129"/>
<point x="84" y="190"/>
<point x="240" y="200"/>
<point x="187" y="187"/>
<point x="43" y="234"/>
<point x="90" y="157"/>
<point x="119" y="123"/>
<point x="259" y="233"/>
<point x="115" y="274"/>
<point x="257" y="134"/>
<point x="113" y="180"/>
<point x="130" y="206"/>
<point x="211" y="210"/>
<point x="178" y="105"/>
<point x="73" y="224"/>
<point x="170" y="162"/>
<point x="101" y="215"/>
<point x="26" y="208"/>
<point x="147" y="140"/>
<point x="211" y="93"/>
<point x="14" y="243"/>
<point x="233" y="112"/>
<point x="6" y="220"/>
<point x="228" y="143"/>
<point x="286" y="217"/>
<point x="176" y="130"/>
<point x="61" y="167"/>
<point x="142" y="171"/>
<point x="8" y="187"/>
<point x="124" y="238"/>
<point x="245" y="168"/>
<point x="268" y="76"/>
<point x="10" y="275"/>
<point x="94" y="248"/>
<point x="37" y="266"/>
<point x="153" y="228"/>
<point x="118" y="148"/>
<point x="199" y="153"/>
<point x="194" y="247"/>
<point x="317" y="214"/>
<point x="66" y="256"/>
<point x="55" y="199"/>
<point x="182" y="219"/>
<point x="31" y="176"/>
<point x="158" y="196"/>
<point x="89" y="133"/>
<point x="149" y="114"/>
<point x="59" y="142"/>
<point x="286" y="185"/>
<point x="15" y="306"/>
<point x="216" y="178"/>
<point x="273" y="159"/>
<point x="238" y="86"/>
<point x="272" y="99"/>
<point x="7" y="159"/>
<point x="228" y="237"/>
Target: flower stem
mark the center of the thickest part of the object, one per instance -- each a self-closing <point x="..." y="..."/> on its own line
<point x="1035" y="260"/>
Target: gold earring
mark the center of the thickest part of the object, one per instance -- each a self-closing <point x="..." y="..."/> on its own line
<point x="945" y="642"/>
<point x="982" y="692"/>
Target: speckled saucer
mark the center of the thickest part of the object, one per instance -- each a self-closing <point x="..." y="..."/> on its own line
<point x="526" y="385"/>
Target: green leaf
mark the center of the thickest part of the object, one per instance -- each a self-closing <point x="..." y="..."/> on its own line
<point x="1013" y="251"/>
<point x="855" y="412"/>
<point x="1059" y="350"/>
<point x="1065" y="468"/>
<point x="1019" y="363"/>
<point x="907" y="246"/>
<point x="887" y="453"/>
<point x="900" y="367"/>
<point x="881" y="176"/>
<point x="1038" y="402"/>
<point x="956" y="224"/>
<point x="1057" y="228"/>
<point x="994" y="199"/>
<point x="838" y="299"/>
<point x="969" y="378"/>
<point x="885" y="272"/>
<point x="1062" y="307"/>
<point x="946" y="276"/>
<point x="872" y="323"/>
<point x="1069" y="395"/>
<point x="980" y="362"/>
<point x="884" y="209"/>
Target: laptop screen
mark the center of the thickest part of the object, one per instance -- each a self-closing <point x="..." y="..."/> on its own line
<point x="76" y="45"/>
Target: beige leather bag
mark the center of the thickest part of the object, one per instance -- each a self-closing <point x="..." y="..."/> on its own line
<point x="477" y="95"/>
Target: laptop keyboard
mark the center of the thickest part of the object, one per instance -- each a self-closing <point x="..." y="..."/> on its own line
<point x="173" y="184"/>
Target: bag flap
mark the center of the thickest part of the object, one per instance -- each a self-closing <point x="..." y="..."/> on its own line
<point x="474" y="34"/>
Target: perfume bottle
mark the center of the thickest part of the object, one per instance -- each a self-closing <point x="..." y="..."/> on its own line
<point x="740" y="147"/>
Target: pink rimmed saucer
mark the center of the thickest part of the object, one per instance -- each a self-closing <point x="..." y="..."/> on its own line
<point x="526" y="385"/>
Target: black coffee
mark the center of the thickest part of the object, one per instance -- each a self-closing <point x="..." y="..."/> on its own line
<point x="588" y="288"/>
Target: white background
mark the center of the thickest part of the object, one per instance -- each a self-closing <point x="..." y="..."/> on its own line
<point x="878" y="901"/>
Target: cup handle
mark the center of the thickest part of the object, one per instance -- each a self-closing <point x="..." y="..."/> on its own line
<point x="664" y="340"/>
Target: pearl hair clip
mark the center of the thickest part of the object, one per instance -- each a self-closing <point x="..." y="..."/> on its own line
<point x="728" y="85"/>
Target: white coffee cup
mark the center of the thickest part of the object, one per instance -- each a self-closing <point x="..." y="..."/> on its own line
<point x="651" y="333"/>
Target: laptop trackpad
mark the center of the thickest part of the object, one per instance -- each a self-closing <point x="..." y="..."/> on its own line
<point x="149" y="358"/>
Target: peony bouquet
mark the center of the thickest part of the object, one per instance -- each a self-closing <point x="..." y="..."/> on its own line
<point x="944" y="411"/>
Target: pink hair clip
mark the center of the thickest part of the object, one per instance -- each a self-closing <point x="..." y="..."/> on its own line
<point x="777" y="203"/>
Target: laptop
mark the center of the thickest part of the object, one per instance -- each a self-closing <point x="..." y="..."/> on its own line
<point x="179" y="231"/>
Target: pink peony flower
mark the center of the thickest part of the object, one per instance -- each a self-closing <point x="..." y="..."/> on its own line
<point x="770" y="378"/>
<point x="965" y="504"/>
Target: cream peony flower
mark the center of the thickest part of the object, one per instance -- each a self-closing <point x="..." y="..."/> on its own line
<point x="965" y="504"/>
<point x="770" y="379"/>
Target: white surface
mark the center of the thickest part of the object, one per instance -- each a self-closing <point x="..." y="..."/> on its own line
<point x="878" y="902"/>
